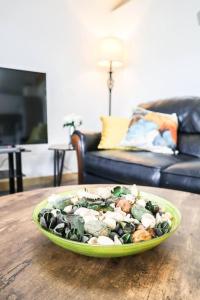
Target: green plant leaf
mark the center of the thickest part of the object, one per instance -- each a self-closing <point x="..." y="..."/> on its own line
<point x="61" y="203"/>
<point x="126" y="238"/>
<point x="138" y="211"/>
<point x="78" y="224"/>
<point x="153" y="208"/>
<point x="119" y="191"/>
<point x="162" y="228"/>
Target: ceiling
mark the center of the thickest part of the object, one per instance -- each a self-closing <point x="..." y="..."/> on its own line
<point x="119" y="3"/>
<point x="99" y="18"/>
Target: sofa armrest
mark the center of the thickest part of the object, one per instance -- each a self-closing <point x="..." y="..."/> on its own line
<point x="83" y="142"/>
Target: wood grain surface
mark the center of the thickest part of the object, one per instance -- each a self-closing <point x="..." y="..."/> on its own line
<point x="31" y="267"/>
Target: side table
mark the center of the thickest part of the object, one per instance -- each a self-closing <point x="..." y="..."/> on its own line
<point x="11" y="152"/>
<point x="59" y="157"/>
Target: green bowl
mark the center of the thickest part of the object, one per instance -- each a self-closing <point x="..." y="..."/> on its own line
<point x="114" y="250"/>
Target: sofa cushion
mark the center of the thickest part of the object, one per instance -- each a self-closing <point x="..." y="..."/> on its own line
<point x="129" y="167"/>
<point x="182" y="176"/>
<point x="96" y="179"/>
<point x="189" y="144"/>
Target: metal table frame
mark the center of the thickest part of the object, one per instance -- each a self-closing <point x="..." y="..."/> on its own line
<point x="14" y="158"/>
<point x="59" y="158"/>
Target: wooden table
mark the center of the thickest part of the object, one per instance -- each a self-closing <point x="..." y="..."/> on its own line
<point x="31" y="267"/>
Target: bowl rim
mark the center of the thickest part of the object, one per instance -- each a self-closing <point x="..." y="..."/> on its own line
<point x="130" y="245"/>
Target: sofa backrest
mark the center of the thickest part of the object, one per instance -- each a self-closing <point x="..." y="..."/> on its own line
<point x="188" y="112"/>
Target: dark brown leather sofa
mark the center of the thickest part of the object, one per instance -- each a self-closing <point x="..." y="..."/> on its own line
<point x="181" y="172"/>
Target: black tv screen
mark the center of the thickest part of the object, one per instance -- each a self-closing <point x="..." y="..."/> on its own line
<point x="23" y="107"/>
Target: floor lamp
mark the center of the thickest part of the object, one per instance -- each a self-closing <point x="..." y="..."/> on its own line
<point x="111" y="56"/>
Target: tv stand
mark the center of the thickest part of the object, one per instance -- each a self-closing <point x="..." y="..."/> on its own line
<point x="14" y="173"/>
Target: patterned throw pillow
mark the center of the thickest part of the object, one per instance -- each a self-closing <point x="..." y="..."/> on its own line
<point x="152" y="131"/>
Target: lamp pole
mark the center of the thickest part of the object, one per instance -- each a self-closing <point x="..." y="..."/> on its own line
<point x="110" y="83"/>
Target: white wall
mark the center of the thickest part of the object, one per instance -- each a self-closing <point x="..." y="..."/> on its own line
<point x="61" y="37"/>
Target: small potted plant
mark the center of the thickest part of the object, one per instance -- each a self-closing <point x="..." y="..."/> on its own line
<point x="72" y="121"/>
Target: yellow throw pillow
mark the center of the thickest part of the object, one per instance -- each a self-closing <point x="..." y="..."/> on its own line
<point x="113" y="131"/>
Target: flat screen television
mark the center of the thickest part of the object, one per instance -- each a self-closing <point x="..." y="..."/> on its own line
<point x="23" y="107"/>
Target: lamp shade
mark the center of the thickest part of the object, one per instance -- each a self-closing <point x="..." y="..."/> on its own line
<point x="111" y="50"/>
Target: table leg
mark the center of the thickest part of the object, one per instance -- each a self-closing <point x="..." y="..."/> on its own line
<point x="61" y="167"/>
<point x="11" y="173"/>
<point x="19" y="172"/>
<point x="55" y="168"/>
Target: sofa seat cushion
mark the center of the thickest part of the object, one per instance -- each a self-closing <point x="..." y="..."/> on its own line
<point x="129" y="167"/>
<point x="182" y="176"/>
